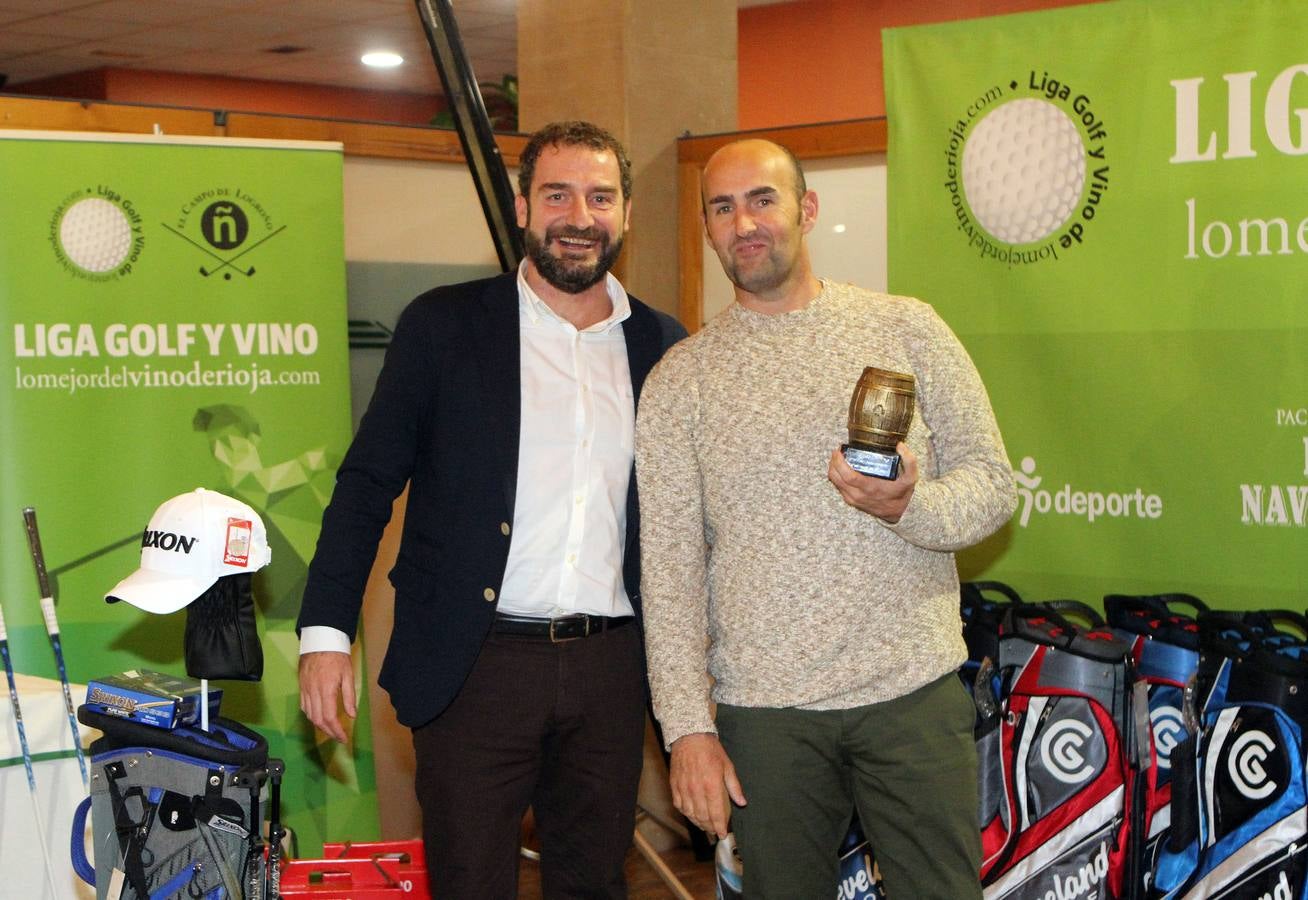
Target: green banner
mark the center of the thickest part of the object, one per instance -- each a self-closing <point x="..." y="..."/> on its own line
<point x="1103" y="202"/>
<point x="174" y="317"/>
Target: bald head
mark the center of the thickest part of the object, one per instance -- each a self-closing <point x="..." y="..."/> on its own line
<point x="765" y="156"/>
<point x="757" y="212"/>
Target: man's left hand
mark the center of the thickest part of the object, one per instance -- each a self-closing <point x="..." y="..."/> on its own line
<point x="879" y="497"/>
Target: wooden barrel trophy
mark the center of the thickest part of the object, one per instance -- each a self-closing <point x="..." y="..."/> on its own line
<point x="879" y="415"/>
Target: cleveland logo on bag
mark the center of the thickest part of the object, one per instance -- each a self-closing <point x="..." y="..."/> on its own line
<point x="858" y="877"/>
<point x="1239" y="818"/>
<point x="1059" y="764"/>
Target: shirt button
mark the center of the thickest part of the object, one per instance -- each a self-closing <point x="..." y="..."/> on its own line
<point x="579" y="499"/>
<point x="572" y="559"/>
<point x="489" y="594"/>
<point x="504" y="528"/>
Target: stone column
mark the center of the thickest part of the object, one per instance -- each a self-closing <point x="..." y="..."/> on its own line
<point x="649" y="71"/>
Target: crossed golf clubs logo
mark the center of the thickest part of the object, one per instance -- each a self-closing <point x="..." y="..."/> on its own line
<point x="1246" y="764"/>
<point x="1168" y="728"/>
<point x="1062" y="751"/>
<point x="224" y="227"/>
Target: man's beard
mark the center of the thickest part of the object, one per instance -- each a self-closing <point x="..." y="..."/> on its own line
<point x="572" y="276"/>
<point x="766" y="276"/>
<point x="769" y="273"/>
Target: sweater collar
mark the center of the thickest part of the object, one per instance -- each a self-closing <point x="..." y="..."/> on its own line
<point x="776" y="321"/>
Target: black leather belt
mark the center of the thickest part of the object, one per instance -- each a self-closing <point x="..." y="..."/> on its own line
<point x="563" y="628"/>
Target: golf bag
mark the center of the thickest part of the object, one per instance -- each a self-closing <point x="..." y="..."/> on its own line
<point x="1165" y="647"/>
<point x="858" y="878"/>
<point x="983" y="606"/>
<point x="1058" y="780"/>
<point x="1239" y="823"/>
<point x="175" y="812"/>
<point x="983" y="615"/>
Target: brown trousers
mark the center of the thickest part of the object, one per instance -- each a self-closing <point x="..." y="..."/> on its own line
<point x="559" y="727"/>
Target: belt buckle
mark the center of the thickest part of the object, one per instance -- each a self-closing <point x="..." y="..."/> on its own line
<point x="574" y="617"/>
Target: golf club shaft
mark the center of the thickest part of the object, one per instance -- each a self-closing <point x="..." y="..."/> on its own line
<point x="52" y="629"/>
<point x="27" y="755"/>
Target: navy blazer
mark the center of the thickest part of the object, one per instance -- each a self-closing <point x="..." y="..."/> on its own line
<point x="445" y="418"/>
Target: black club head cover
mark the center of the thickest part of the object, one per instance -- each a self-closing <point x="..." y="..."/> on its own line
<point x="221" y="639"/>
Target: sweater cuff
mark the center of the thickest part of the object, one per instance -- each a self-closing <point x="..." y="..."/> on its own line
<point x="912" y="513"/>
<point x="674" y="730"/>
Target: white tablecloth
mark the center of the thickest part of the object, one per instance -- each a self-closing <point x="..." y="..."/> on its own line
<point x="58" y="786"/>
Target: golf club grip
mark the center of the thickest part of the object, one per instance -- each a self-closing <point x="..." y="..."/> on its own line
<point x="38" y="558"/>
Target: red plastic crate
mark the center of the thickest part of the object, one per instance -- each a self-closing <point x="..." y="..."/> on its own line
<point x="368" y="849"/>
<point x="338" y="885"/>
<point x="370" y="871"/>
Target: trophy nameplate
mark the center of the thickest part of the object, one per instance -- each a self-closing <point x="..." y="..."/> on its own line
<point x="880" y="412"/>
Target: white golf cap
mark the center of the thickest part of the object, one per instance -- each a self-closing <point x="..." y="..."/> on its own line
<point x="193" y="540"/>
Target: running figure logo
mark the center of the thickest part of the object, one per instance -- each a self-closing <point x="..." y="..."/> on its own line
<point x="1027" y="482"/>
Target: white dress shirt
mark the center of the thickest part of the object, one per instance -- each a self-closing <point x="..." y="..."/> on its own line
<point x="574" y="466"/>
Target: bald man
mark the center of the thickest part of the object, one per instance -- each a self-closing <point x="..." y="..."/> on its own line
<point x="816" y="605"/>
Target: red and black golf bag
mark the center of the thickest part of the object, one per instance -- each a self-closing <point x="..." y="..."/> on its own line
<point x="1068" y="755"/>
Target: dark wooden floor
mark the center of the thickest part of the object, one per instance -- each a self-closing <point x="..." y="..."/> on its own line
<point x="643" y="883"/>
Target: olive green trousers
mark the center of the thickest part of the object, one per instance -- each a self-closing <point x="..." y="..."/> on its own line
<point x="907" y="766"/>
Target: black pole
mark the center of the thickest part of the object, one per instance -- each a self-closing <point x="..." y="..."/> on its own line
<point x="485" y="164"/>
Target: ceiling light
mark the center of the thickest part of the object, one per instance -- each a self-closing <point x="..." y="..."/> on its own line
<point x="381" y="59"/>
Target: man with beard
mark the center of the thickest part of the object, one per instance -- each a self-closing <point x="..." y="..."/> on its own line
<point x="823" y="602"/>
<point x="508" y="407"/>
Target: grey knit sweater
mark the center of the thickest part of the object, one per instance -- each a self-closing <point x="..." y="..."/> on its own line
<point x="755" y="570"/>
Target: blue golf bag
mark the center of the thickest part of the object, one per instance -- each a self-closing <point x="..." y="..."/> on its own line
<point x="175" y="813"/>
<point x="1165" y="646"/>
<point x="858" y="879"/>
<point x="1239" y="821"/>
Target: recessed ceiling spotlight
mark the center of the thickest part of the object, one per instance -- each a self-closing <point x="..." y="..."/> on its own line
<point x="381" y="59"/>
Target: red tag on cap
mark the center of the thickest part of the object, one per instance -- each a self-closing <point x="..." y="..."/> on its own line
<point x="236" y="549"/>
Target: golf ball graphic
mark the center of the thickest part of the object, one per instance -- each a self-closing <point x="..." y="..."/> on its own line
<point x="1023" y="170"/>
<point x="95" y="235"/>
